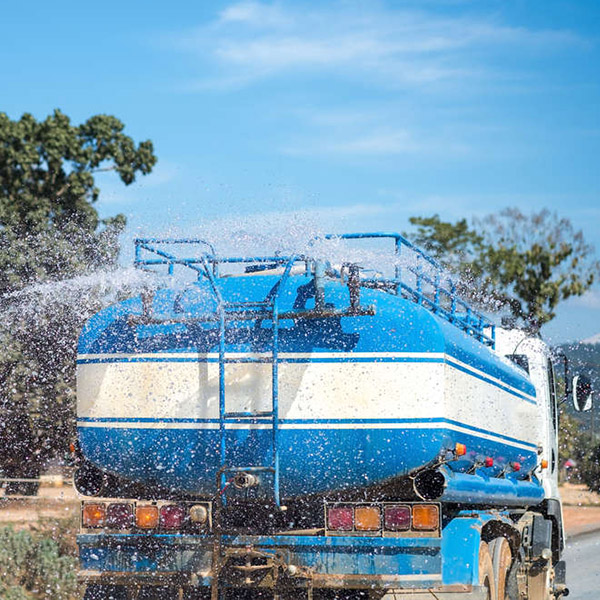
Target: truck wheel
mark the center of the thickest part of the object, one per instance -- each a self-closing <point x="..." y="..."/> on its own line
<point x="486" y="572"/>
<point x="501" y="561"/>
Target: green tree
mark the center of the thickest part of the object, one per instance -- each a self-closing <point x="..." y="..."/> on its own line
<point x="50" y="231"/>
<point x="574" y="443"/>
<point x="523" y="264"/>
<point x="590" y="469"/>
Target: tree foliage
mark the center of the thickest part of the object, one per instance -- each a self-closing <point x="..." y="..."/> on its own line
<point x="35" y="566"/>
<point x="49" y="227"/>
<point x="591" y="469"/>
<point x="574" y="444"/>
<point x="523" y="264"/>
<point x="50" y="231"/>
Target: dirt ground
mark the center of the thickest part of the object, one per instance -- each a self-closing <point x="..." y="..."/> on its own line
<point x="581" y="509"/>
<point x="53" y="502"/>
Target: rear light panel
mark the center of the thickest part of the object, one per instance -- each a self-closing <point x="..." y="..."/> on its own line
<point x="119" y="515"/>
<point x="367" y="518"/>
<point x="340" y="518"/>
<point x="146" y="516"/>
<point x="387" y="519"/>
<point x="172" y="516"/>
<point x="138" y="515"/>
<point x="93" y="515"/>
<point x="397" y="517"/>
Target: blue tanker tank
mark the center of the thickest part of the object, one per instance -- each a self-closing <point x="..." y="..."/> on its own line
<point x="291" y="376"/>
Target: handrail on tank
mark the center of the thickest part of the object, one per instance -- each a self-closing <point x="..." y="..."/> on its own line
<point x="466" y="318"/>
<point x="442" y="298"/>
<point x="166" y="258"/>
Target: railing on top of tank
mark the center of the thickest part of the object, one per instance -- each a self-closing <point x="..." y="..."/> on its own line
<point x="427" y="284"/>
<point x="198" y="263"/>
<point x="422" y="279"/>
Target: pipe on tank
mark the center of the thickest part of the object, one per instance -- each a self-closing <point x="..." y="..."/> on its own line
<point x="444" y="485"/>
<point x="319" y="285"/>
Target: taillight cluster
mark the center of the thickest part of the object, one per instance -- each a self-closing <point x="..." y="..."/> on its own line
<point x="382" y="518"/>
<point x="145" y="516"/>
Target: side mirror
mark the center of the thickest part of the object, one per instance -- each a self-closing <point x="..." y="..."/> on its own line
<point x="582" y="393"/>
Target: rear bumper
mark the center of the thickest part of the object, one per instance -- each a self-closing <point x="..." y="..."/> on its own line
<point x="190" y="580"/>
<point x="316" y="561"/>
<point x="442" y="568"/>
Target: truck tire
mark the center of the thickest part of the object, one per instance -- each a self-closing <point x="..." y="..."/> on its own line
<point x="486" y="572"/>
<point x="501" y="562"/>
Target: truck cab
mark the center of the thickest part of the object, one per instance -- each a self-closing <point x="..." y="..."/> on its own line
<point x="535" y="357"/>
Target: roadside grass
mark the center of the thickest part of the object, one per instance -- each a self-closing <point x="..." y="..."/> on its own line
<point x="39" y="561"/>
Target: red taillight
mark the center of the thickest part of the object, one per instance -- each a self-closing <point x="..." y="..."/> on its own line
<point x="119" y="516"/>
<point x="489" y="461"/>
<point x="396" y="518"/>
<point x="172" y="516"/>
<point x="340" y="518"/>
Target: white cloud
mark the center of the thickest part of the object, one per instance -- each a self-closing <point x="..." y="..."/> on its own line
<point x="114" y="192"/>
<point x="591" y="299"/>
<point x="255" y="14"/>
<point x="250" y="41"/>
<point x="410" y="54"/>
<point x="384" y="130"/>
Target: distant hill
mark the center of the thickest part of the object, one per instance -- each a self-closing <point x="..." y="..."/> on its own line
<point x="595" y="339"/>
<point x="584" y="358"/>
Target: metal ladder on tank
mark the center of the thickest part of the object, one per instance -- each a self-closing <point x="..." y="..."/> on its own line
<point x="264" y="310"/>
<point x="267" y="309"/>
<point x="261" y="310"/>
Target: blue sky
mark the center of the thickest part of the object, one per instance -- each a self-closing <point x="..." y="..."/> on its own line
<point x="360" y="114"/>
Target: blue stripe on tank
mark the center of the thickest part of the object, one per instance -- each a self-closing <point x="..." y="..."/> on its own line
<point x="265" y="360"/>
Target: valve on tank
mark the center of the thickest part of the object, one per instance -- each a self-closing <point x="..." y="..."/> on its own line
<point x="244" y="480"/>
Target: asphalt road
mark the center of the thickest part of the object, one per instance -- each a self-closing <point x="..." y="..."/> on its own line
<point x="583" y="567"/>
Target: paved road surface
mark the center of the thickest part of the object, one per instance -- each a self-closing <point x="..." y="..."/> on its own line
<point x="583" y="567"/>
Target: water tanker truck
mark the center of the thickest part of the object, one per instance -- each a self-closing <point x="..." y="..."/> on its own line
<point x="288" y="426"/>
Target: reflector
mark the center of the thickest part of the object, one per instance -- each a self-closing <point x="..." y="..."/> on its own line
<point x="425" y="517"/>
<point x="146" y="517"/>
<point x="367" y="518"/>
<point x="172" y="516"/>
<point x="119" y="516"/>
<point x="460" y="449"/>
<point x="340" y="518"/>
<point x="198" y="514"/>
<point x="396" y="518"/>
<point x="93" y="515"/>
